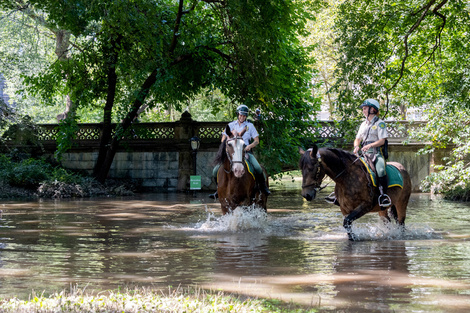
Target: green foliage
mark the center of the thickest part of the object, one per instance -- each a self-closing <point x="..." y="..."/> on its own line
<point x="407" y="52"/>
<point x="127" y="54"/>
<point x="448" y="128"/>
<point x="411" y="54"/>
<point x="7" y="116"/>
<point x="67" y="130"/>
<point x="26" y="48"/>
<point x="31" y="173"/>
<point x="147" y="300"/>
<point x="27" y="173"/>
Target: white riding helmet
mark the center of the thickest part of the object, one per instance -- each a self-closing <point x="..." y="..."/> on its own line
<point x="242" y="109"/>
<point x="371" y="103"/>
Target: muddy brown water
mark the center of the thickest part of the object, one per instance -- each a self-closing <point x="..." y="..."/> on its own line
<point x="297" y="252"/>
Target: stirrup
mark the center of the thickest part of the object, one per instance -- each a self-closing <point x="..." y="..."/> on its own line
<point x="331" y="198"/>
<point x="385" y="201"/>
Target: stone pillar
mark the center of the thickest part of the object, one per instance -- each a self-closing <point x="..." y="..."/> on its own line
<point x="184" y="130"/>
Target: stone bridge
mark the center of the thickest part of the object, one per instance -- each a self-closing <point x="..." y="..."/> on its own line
<point x="159" y="156"/>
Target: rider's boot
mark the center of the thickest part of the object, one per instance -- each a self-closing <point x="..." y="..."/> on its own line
<point x="331" y="198"/>
<point x="262" y="184"/>
<point x="384" y="199"/>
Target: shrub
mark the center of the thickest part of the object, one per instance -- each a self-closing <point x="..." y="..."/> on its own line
<point x="29" y="173"/>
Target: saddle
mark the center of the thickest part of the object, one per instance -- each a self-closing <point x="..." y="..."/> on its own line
<point x="394" y="177"/>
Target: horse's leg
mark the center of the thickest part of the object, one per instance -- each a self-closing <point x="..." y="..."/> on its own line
<point x="384" y="216"/>
<point x="354" y="215"/>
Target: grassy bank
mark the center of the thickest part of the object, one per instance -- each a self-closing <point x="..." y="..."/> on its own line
<point x="147" y="300"/>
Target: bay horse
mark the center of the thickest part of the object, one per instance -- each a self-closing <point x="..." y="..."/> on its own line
<point x="236" y="185"/>
<point x="354" y="187"/>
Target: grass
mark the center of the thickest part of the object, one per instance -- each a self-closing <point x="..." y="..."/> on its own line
<point x="147" y="300"/>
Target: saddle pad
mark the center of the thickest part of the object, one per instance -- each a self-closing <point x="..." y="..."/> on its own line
<point x="250" y="169"/>
<point x="393" y="175"/>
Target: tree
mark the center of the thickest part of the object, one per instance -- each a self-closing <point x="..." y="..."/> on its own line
<point x="31" y="32"/>
<point x="127" y="54"/>
<point x="321" y="37"/>
<point x="396" y="50"/>
<point x="411" y="54"/>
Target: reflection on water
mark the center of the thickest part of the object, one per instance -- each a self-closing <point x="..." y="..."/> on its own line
<point x="298" y="251"/>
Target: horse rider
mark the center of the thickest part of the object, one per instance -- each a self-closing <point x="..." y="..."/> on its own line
<point x="250" y="134"/>
<point x="372" y="135"/>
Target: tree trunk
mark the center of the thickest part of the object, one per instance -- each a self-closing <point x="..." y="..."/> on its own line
<point x="106" y="155"/>
<point x="107" y="111"/>
<point x="62" y="44"/>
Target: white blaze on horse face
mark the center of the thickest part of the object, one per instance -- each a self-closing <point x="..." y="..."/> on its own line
<point x="237" y="158"/>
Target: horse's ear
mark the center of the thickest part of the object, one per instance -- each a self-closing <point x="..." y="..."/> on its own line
<point x="301" y="151"/>
<point x="242" y="132"/>
<point x="313" y="151"/>
<point x="228" y="131"/>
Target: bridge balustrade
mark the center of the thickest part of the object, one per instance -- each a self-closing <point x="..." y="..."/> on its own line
<point x="159" y="154"/>
<point x="208" y="132"/>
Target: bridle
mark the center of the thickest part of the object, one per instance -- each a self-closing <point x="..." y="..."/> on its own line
<point x="317" y="185"/>
<point x="317" y="174"/>
<point x="229" y="156"/>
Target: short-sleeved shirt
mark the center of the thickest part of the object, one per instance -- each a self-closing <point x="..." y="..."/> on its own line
<point x="372" y="131"/>
<point x="250" y="133"/>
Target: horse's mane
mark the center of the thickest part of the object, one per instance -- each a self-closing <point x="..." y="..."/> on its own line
<point x="343" y="156"/>
<point x="221" y="155"/>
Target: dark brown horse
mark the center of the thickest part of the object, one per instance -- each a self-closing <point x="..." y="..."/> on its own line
<point x="354" y="189"/>
<point x="236" y="186"/>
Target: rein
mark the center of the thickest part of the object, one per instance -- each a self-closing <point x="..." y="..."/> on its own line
<point x="319" y="170"/>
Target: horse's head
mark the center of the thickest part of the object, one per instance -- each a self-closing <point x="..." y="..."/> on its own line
<point x="312" y="172"/>
<point x="235" y="150"/>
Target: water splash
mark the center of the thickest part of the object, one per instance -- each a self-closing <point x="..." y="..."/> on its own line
<point x="390" y="231"/>
<point x="241" y="219"/>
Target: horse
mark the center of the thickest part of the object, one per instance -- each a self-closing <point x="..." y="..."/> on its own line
<point x="354" y="188"/>
<point x="236" y="186"/>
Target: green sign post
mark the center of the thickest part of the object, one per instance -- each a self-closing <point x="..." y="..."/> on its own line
<point x="195" y="182"/>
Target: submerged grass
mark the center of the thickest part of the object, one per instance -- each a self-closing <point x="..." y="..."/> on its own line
<point x="147" y="300"/>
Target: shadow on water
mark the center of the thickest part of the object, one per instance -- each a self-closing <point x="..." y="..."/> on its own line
<point x="298" y="251"/>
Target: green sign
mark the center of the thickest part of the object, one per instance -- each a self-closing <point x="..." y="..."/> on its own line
<point x="195" y="182"/>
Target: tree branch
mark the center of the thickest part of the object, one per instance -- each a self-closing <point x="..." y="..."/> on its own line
<point x="424" y="12"/>
<point x="174" y="41"/>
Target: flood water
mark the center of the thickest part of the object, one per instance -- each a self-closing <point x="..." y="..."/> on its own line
<point x="297" y="252"/>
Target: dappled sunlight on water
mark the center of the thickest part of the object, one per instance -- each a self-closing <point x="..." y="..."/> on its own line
<point x="298" y="251"/>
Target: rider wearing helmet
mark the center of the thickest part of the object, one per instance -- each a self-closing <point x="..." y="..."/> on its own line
<point x="372" y="136"/>
<point x="251" y="134"/>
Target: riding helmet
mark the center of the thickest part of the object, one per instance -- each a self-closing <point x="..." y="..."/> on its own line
<point x="242" y="109"/>
<point x="371" y="103"/>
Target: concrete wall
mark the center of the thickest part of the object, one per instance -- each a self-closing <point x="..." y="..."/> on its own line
<point x="418" y="166"/>
<point x="159" y="170"/>
<point x="155" y="170"/>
